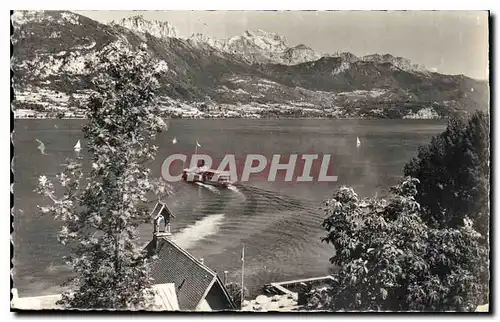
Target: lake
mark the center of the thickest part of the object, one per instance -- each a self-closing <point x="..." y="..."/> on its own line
<point x="278" y="222"/>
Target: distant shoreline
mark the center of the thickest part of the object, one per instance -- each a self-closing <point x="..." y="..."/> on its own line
<point x="246" y="118"/>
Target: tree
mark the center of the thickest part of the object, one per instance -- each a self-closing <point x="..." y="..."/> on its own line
<point x="101" y="216"/>
<point x="234" y="291"/>
<point x="453" y="171"/>
<point x="389" y="259"/>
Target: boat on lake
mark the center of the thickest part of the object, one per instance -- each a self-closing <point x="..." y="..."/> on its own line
<point x="203" y="174"/>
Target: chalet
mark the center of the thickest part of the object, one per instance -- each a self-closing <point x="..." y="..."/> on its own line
<point x="198" y="288"/>
<point x="182" y="282"/>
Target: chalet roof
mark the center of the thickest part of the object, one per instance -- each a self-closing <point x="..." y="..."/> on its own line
<point x="161" y="209"/>
<point x="192" y="279"/>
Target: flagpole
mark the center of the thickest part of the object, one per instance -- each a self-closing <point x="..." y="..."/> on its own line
<point x="242" y="275"/>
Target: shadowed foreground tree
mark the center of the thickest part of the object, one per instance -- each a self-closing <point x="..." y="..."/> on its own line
<point x="101" y="215"/>
<point x="390" y="259"/>
<point x="453" y="171"/>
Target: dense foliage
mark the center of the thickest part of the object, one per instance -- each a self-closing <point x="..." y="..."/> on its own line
<point x="453" y="171"/>
<point x="101" y="215"/>
<point x="390" y="259"/>
<point x="234" y="291"/>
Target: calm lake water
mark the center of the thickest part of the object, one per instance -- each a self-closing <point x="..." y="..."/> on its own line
<point x="279" y="222"/>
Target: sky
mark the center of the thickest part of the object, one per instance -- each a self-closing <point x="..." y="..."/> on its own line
<point x="452" y="42"/>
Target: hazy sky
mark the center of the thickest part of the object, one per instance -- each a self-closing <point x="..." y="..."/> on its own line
<point x="453" y="42"/>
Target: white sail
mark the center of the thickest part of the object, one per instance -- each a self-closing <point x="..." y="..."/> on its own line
<point x="358" y="142"/>
<point x="198" y="145"/>
<point x="77" y="146"/>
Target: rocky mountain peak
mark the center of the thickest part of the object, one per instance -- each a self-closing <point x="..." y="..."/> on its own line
<point x="204" y="39"/>
<point x="259" y="33"/>
<point x="259" y="39"/>
<point x="400" y="62"/>
<point x="156" y="28"/>
<point x="300" y="54"/>
<point x="347" y="56"/>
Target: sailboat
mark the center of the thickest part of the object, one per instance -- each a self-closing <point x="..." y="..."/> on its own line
<point x="77" y="146"/>
<point x="358" y="142"/>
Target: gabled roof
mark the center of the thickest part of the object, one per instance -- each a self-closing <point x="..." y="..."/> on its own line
<point x="192" y="279"/>
<point x="161" y="209"/>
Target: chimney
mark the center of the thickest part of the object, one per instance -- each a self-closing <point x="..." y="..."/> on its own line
<point x="225" y="277"/>
<point x="202" y="261"/>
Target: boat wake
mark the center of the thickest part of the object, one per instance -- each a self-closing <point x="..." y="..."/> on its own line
<point x="236" y="190"/>
<point x="209" y="187"/>
<point x="189" y="236"/>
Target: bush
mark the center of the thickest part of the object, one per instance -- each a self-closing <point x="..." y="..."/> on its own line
<point x="234" y="290"/>
<point x="390" y="259"/>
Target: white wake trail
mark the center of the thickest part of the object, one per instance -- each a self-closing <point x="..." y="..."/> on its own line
<point x="209" y="187"/>
<point x="187" y="237"/>
<point x="236" y="190"/>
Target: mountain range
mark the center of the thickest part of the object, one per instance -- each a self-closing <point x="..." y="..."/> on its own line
<point x="256" y="74"/>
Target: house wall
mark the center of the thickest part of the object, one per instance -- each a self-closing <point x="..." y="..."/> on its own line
<point x="217" y="299"/>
